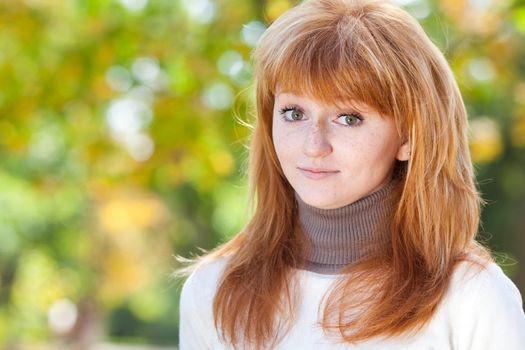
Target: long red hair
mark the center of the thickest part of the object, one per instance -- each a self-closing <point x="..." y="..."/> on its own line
<point x="374" y="52"/>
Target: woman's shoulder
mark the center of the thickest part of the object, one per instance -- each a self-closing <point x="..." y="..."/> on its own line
<point x="203" y="280"/>
<point x="479" y="277"/>
<point x="485" y="307"/>
<point x="196" y="329"/>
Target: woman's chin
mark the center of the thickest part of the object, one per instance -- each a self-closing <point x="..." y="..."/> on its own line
<point x="319" y="201"/>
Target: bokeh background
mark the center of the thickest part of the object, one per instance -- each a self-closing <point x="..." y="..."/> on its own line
<point x="123" y="143"/>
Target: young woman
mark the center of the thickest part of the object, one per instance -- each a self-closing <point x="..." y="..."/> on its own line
<point x="365" y="204"/>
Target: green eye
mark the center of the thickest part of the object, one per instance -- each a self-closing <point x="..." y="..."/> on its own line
<point x="292" y="114"/>
<point x="353" y="119"/>
<point x="296" y="115"/>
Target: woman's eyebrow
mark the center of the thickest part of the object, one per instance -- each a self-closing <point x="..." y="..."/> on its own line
<point x="357" y="106"/>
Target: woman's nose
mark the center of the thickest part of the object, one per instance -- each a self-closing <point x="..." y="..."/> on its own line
<point x="316" y="143"/>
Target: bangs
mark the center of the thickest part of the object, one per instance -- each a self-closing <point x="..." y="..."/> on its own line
<point x="337" y="62"/>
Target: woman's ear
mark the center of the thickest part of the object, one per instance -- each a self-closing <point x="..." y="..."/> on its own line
<point x="404" y="152"/>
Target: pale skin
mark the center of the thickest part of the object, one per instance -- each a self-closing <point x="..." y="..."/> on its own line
<point x="333" y="156"/>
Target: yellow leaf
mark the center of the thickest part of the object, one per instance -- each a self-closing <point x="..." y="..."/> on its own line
<point x="485" y="143"/>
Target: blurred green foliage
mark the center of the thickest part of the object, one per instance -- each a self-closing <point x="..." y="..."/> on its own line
<point x="120" y="147"/>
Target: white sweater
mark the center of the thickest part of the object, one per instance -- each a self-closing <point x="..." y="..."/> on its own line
<point x="480" y="312"/>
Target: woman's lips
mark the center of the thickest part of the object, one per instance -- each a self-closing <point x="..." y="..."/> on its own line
<point x="318" y="173"/>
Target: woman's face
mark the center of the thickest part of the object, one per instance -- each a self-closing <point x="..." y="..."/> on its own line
<point x="333" y="156"/>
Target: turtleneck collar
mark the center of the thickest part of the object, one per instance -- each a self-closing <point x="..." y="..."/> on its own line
<point x="340" y="236"/>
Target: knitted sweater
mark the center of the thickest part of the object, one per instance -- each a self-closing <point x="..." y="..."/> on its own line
<point x="481" y="311"/>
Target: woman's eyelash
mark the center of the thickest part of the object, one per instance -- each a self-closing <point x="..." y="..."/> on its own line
<point x="291" y="108"/>
<point x="353" y="114"/>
